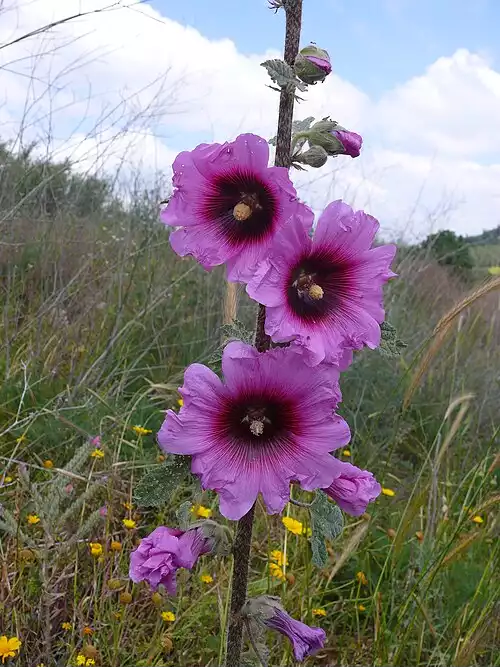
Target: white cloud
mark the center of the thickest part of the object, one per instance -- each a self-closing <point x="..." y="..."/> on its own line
<point x="130" y="86"/>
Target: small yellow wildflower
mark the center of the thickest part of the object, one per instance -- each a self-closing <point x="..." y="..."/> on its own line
<point x="81" y="659"/>
<point x="419" y="535"/>
<point x="201" y="512"/>
<point x="87" y="631"/>
<point x="318" y="612"/>
<point x="279" y="557"/>
<point x="478" y="519"/>
<point x="180" y="402"/>
<point x="361" y="577"/>
<point x="129" y="523"/>
<point x="115" y="546"/>
<point x="361" y="607"/>
<point x="97" y="453"/>
<point x="95" y="549"/>
<point x="139" y="430"/>
<point x="33" y="519"/>
<point x="21" y="439"/>
<point x="168" y="616"/>
<point x="206" y="578"/>
<point x="66" y="626"/>
<point x="48" y="464"/>
<point x="127" y="506"/>
<point x="8" y="647"/>
<point x="160" y="458"/>
<point x="90" y="661"/>
<point x="293" y="525"/>
<point x="8" y="479"/>
<point x="276" y="571"/>
<point x="346" y="452"/>
<point x="388" y="492"/>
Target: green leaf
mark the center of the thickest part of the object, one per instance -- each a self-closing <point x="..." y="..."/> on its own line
<point x="158" y="484"/>
<point x="327" y="523"/>
<point x="390" y="345"/>
<point x="302" y="125"/>
<point x="283" y="74"/>
<point x="183" y="514"/>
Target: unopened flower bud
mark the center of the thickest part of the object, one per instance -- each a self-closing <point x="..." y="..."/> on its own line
<point x="316" y="156"/>
<point x="156" y="599"/>
<point x="220" y="537"/>
<point x="334" y="138"/>
<point x="125" y="597"/>
<point x="167" y="643"/>
<point x="90" y="652"/>
<point x="312" y="64"/>
<point x="115" y="584"/>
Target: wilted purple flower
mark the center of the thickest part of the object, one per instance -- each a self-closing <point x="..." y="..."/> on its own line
<point x="159" y="556"/>
<point x="69" y="488"/>
<point x="228" y="204"/>
<point x="96" y="441"/>
<point x="353" y="489"/>
<point x="103" y="511"/>
<point x="350" y="141"/>
<point x="270" y="422"/>
<point x="267" y="611"/>
<point x="325" y="293"/>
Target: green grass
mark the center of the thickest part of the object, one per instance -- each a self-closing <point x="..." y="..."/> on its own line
<point x="98" y="323"/>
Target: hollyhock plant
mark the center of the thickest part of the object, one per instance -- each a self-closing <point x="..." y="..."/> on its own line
<point x="353" y="489"/>
<point x="312" y="64"/>
<point x="159" y="556"/>
<point x="325" y="292"/>
<point x="271" y="421"/>
<point x="267" y="610"/>
<point x="228" y="204"/>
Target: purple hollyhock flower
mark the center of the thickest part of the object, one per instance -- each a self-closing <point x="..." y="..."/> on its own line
<point x="325" y="293"/>
<point x="350" y="141"/>
<point x="159" y="556"/>
<point x="271" y="421"/>
<point x="353" y="489"/>
<point x="228" y="204"/>
<point x="267" y="610"/>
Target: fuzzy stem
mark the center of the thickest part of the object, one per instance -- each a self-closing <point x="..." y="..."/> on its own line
<point x="241" y="549"/>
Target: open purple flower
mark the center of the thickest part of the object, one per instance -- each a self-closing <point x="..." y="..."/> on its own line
<point x="351" y="141"/>
<point x="325" y="293"/>
<point x="353" y="489"/>
<point x="228" y="204"/>
<point x="268" y="611"/>
<point x="270" y="422"/>
<point x="159" y="556"/>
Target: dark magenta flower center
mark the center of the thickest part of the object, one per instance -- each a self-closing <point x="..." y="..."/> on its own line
<point x="316" y="285"/>
<point x="242" y="206"/>
<point x="258" y="419"/>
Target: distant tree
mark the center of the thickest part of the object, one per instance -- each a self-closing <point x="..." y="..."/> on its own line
<point x="449" y="249"/>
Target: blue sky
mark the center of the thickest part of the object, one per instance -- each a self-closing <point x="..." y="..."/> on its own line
<point x="375" y="44"/>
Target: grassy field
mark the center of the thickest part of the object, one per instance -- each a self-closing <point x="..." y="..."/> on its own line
<point x="99" y="318"/>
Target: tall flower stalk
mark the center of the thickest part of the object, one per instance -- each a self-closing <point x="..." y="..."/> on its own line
<point x="268" y="420"/>
<point x="242" y="543"/>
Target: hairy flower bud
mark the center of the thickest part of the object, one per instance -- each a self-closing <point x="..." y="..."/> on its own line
<point x="312" y="64"/>
<point x="316" y="156"/>
<point x="334" y="138"/>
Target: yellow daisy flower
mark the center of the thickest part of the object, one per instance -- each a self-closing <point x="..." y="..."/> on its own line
<point x="66" y="626"/>
<point x="346" y="452"/>
<point x="207" y="579"/>
<point x="97" y="453"/>
<point x="168" y="616"/>
<point x="201" y="512"/>
<point x="115" y="546"/>
<point x="129" y="523"/>
<point x="95" y="549"/>
<point x="140" y="430"/>
<point x="388" y="492"/>
<point x="127" y="506"/>
<point x="478" y="519"/>
<point x="361" y="607"/>
<point x="276" y="571"/>
<point x="361" y="577"/>
<point x="9" y="647"/>
<point x="48" y="464"/>
<point x="318" y="612"/>
<point x="33" y="519"/>
<point x="279" y="557"/>
<point x="293" y="525"/>
<point x="81" y="659"/>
